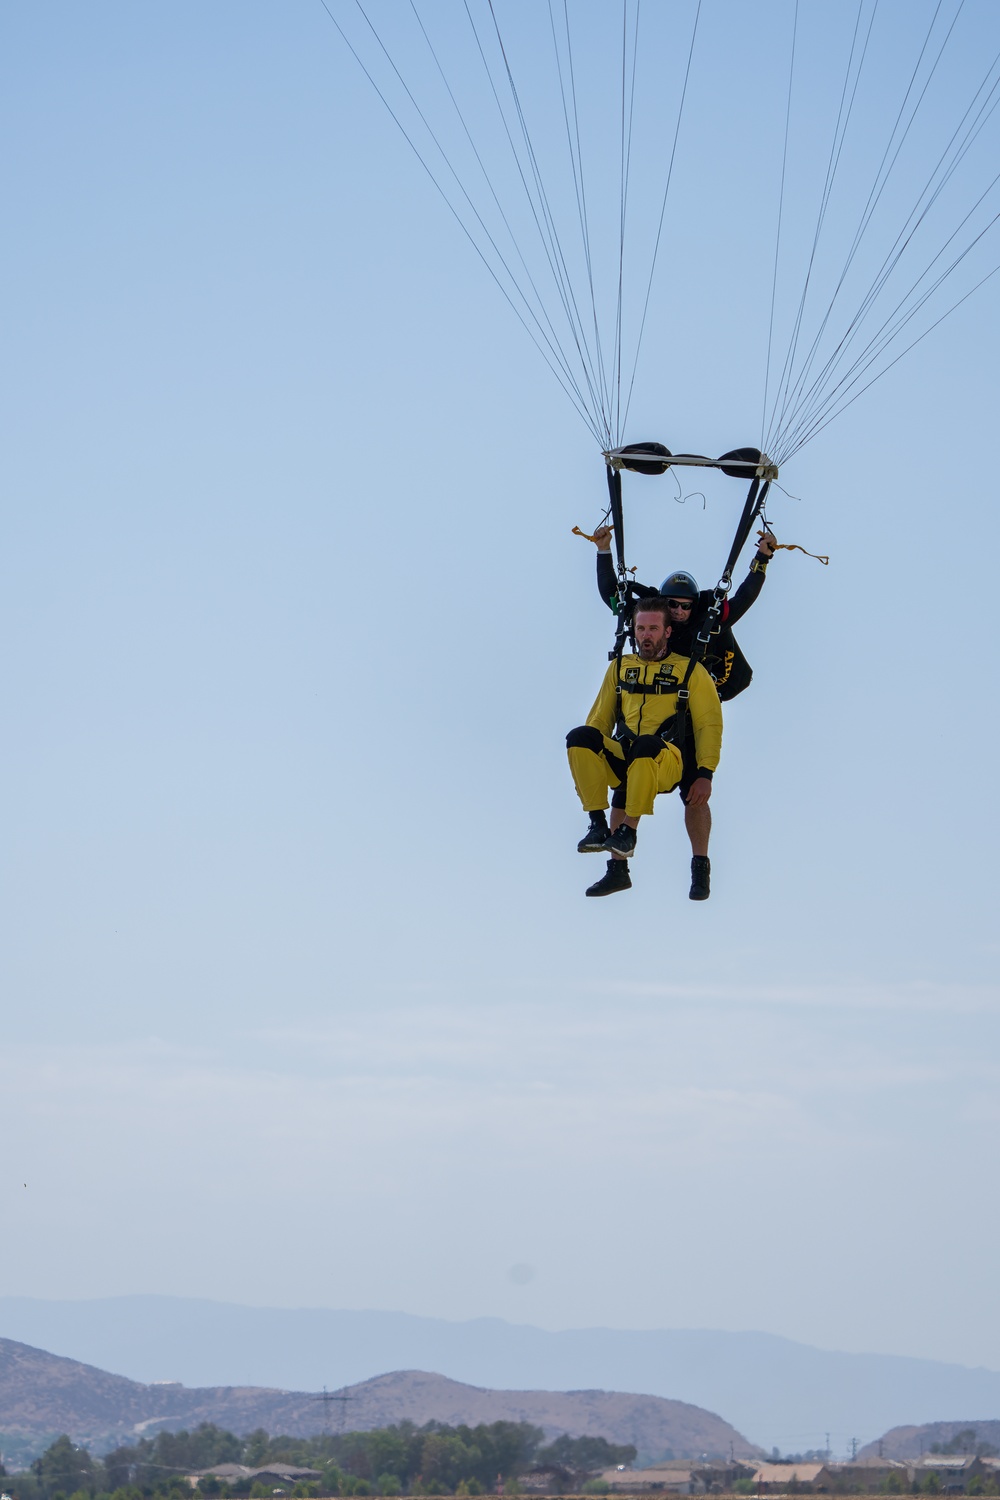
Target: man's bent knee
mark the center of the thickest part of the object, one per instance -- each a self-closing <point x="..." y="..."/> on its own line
<point x="586" y="737"/>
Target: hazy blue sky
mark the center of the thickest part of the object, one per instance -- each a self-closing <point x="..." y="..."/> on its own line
<point x="293" y="622"/>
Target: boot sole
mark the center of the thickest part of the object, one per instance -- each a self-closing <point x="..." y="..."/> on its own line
<point x="612" y="890"/>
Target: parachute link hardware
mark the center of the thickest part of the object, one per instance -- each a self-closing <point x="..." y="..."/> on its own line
<point x="653" y="458"/>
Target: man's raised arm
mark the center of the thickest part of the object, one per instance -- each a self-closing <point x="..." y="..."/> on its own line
<point x="749" y="590"/>
<point x="607" y="579"/>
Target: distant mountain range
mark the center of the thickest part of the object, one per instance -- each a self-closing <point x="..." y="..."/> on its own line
<point x="42" y="1395"/>
<point x="910" y="1442"/>
<point x="778" y="1392"/>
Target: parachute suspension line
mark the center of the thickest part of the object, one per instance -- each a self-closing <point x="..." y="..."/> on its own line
<point x="819" y="399"/>
<point x="663" y="211"/>
<point x="777" y="233"/>
<point x="552" y="359"/>
<point x="882" y="175"/>
<point x="946" y="314"/>
<point x="625" y="167"/>
<point x="539" y="222"/>
<point x="844" y="113"/>
<point x="541" y="213"/>
<point x="824" y="401"/>
<point x="557" y="259"/>
<point x="591" y="419"/>
<point x="538" y="312"/>
<point x="580" y="188"/>
<point x="826" y="417"/>
<point x="812" y="401"/>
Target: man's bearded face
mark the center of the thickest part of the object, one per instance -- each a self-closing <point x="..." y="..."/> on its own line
<point x="652" y="635"/>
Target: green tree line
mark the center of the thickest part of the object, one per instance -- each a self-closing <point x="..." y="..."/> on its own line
<point x="435" y="1459"/>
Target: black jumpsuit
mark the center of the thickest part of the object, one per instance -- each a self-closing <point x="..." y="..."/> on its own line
<point x="723" y="659"/>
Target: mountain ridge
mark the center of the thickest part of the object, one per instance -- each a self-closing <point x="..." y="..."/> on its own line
<point x="777" y="1391"/>
<point x="911" y="1442"/>
<point x="42" y="1394"/>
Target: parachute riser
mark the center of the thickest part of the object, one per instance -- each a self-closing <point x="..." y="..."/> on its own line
<point x="623" y="617"/>
<point x="618" y="531"/>
<point x="752" y="508"/>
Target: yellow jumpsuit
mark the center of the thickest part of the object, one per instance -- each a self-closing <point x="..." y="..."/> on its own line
<point x="599" y="765"/>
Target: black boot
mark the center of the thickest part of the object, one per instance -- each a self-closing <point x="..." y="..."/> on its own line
<point x="615" y="878"/>
<point x="593" y="840"/>
<point x="622" y="841"/>
<point x="701" y="870"/>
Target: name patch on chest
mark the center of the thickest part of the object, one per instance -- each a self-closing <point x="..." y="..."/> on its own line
<point x="664" y="680"/>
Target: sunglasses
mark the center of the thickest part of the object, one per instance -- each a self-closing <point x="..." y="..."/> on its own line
<point x="680" y="603"/>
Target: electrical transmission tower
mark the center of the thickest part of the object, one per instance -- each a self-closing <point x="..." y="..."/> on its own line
<point x="342" y="1398"/>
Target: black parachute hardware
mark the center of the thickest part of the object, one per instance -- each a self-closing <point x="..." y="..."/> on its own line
<point x="654" y="458"/>
<point x="639" y="458"/>
<point x="735" y="463"/>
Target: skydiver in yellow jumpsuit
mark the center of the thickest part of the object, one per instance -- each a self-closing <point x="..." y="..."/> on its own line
<point x="622" y="745"/>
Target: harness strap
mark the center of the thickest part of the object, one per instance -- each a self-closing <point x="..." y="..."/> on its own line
<point x="711" y="624"/>
<point x="672" y="730"/>
<point x="652" y="689"/>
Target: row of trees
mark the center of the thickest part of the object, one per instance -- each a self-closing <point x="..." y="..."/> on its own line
<point x="966" y="1442"/>
<point x="435" y="1459"/>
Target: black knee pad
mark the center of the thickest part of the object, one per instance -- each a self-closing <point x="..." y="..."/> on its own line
<point x="646" y="747"/>
<point x="585" y="738"/>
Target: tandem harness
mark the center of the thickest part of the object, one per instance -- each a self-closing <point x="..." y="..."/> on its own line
<point x="653" y="458"/>
<point x="673" y="730"/>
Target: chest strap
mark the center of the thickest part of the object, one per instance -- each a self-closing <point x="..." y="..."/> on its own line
<point x="655" y="688"/>
<point x="672" y="730"/>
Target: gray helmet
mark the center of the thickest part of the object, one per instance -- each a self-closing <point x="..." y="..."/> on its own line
<point x="679" y="586"/>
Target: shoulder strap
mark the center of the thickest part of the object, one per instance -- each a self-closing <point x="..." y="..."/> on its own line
<point x="673" y="733"/>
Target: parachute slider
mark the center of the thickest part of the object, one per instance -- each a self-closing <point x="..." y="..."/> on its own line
<point x="653" y="458"/>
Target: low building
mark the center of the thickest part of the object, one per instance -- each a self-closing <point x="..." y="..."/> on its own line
<point x="778" y="1479"/>
<point x="278" y="1476"/>
<point x="677" y="1477"/>
<point x="547" y="1480"/>
<point x="869" y="1476"/>
<point x="954" y="1471"/>
<point x="671" y="1478"/>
